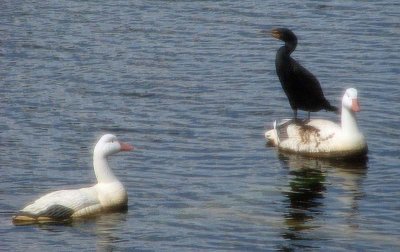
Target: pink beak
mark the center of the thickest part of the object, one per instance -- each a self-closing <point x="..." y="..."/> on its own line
<point x="355" y="106"/>
<point x="126" y="146"/>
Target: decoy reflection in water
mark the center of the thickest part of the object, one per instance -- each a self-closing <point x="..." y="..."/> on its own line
<point x="310" y="179"/>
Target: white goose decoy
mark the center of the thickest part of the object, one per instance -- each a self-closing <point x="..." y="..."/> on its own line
<point x="107" y="195"/>
<point x="322" y="138"/>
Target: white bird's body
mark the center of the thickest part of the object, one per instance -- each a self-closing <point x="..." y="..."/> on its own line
<point x="108" y="194"/>
<point x="322" y="138"/>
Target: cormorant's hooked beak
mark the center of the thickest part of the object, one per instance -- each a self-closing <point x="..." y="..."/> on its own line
<point x="276" y="33"/>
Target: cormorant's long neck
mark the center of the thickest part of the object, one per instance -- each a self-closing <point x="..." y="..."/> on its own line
<point x="283" y="54"/>
<point x="349" y="122"/>
<point x="290" y="46"/>
<point x="102" y="170"/>
<point x="282" y="61"/>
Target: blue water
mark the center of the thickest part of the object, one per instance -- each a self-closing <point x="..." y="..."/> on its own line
<point x="192" y="85"/>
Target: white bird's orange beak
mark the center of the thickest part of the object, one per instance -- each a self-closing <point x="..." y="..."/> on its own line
<point x="126" y="146"/>
<point x="355" y="106"/>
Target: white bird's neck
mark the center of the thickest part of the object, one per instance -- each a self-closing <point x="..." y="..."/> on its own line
<point x="349" y="122"/>
<point x="102" y="170"/>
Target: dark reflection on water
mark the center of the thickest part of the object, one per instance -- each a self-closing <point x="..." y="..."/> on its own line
<point x="304" y="198"/>
<point x="105" y="230"/>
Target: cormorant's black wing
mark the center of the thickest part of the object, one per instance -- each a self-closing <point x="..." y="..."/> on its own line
<point x="308" y="89"/>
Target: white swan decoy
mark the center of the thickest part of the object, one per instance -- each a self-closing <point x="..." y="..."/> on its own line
<point x="322" y="138"/>
<point x="106" y="196"/>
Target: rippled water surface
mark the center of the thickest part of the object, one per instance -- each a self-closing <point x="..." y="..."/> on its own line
<point x="192" y="85"/>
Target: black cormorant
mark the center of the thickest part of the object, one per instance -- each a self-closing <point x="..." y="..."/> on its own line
<point x="301" y="87"/>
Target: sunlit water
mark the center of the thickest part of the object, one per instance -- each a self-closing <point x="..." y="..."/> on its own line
<point x="192" y="85"/>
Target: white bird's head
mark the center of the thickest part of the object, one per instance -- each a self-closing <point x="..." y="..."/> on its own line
<point x="350" y="100"/>
<point x="109" y="144"/>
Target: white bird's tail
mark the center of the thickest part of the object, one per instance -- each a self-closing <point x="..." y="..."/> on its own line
<point x="272" y="136"/>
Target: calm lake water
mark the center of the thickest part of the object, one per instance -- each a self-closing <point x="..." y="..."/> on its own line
<point x="192" y="85"/>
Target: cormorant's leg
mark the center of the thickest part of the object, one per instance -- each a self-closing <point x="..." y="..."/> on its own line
<point x="295" y="114"/>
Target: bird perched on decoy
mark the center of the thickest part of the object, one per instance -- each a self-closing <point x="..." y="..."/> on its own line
<point x="320" y="137"/>
<point x="301" y="87"/>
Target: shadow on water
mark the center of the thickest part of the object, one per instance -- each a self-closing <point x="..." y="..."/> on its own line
<point x="106" y="228"/>
<point x="305" y="200"/>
